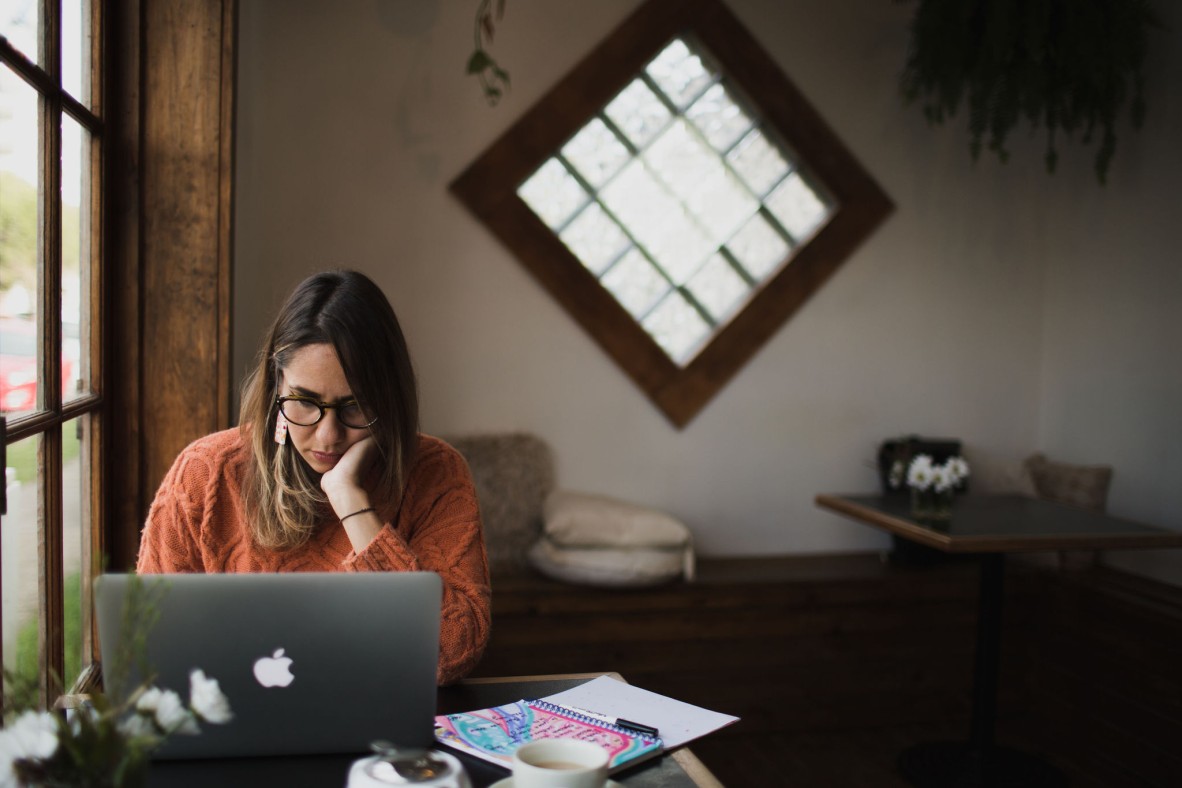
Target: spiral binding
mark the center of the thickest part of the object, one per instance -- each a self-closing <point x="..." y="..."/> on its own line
<point x="563" y="711"/>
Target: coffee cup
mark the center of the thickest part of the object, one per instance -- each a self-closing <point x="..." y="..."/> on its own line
<point x="560" y="763"/>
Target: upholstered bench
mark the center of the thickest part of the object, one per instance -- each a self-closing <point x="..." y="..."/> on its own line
<point x="587" y="539"/>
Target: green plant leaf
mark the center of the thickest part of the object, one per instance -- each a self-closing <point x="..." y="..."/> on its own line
<point x="479" y="61"/>
<point x="1065" y="64"/>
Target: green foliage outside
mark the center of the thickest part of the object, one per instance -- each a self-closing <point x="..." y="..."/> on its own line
<point x="18" y="234"/>
<point x="26" y="667"/>
<point x="23" y="455"/>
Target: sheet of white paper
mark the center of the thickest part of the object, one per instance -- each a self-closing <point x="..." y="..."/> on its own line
<point x="678" y="722"/>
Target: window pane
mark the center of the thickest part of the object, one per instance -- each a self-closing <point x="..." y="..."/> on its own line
<point x="19" y="206"/>
<point x="759" y="248"/>
<point x="661" y="224"/>
<point x="635" y="283"/>
<point x="18" y="554"/>
<point x="719" y="118"/>
<point x="76" y="49"/>
<point x="596" y="152"/>
<point x="677" y="327"/>
<point x="758" y="162"/>
<point x="679" y="73"/>
<point x="638" y="113"/>
<point x="552" y="193"/>
<point x="75" y="255"/>
<point x="797" y="206"/>
<point x="20" y="23"/>
<point x="719" y="288"/>
<point x="680" y="158"/>
<point x="594" y="238"/>
<point x="691" y="169"/>
<point x="75" y="539"/>
<point x="19" y="353"/>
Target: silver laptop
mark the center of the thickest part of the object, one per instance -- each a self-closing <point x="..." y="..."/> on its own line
<point x="311" y="662"/>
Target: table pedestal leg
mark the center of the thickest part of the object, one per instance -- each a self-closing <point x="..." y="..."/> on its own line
<point x="979" y="761"/>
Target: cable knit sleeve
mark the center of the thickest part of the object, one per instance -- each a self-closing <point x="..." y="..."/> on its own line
<point x="170" y="541"/>
<point x="438" y="529"/>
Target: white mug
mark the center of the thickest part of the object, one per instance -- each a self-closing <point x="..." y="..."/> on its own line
<point x="559" y="763"/>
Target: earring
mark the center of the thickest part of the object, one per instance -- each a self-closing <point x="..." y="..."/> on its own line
<point x="280" y="429"/>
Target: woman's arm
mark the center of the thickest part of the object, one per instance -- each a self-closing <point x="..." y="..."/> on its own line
<point x="169" y="541"/>
<point x="438" y="529"/>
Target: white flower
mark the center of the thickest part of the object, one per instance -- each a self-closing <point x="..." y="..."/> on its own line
<point x="942" y="478"/>
<point x="919" y="474"/>
<point x="896" y="475"/>
<point x="148" y="700"/>
<point x="173" y="717"/>
<point x="959" y="469"/>
<point x="31" y="736"/>
<point x="207" y="700"/>
<point x="138" y="726"/>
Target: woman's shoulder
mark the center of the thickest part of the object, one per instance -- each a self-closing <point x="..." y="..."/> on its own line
<point x="436" y="457"/>
<point x="429" y="444"/>
<point x="216" y="444"/>
<point x="211" y="453"/>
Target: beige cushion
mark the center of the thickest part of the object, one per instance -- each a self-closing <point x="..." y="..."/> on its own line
<point x="993" y="475"/>
<point x="513" y="473"/>
<point x="596" y="540"/>
<point x="573" y="519"/>
<point x="1077" y="485"/>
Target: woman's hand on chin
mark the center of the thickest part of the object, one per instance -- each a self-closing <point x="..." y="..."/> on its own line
<point x="343" y="483"/>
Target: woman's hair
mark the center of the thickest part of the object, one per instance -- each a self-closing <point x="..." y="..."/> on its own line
<point x="348" y="311"/>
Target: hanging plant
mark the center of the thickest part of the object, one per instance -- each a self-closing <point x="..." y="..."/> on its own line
<point x="1068" y="65"/>
<point x="494" y="80"/>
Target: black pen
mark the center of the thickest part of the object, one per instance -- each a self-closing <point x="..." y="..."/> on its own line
<point x="619" y="722"/>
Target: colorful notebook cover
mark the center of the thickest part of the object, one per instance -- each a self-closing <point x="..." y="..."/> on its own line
<point x="495" y="734"/>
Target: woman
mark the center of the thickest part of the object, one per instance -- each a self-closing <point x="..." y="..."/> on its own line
<point x="328" y="471"/>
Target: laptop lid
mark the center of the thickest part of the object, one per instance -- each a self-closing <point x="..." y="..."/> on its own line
<point x="311" y="662"/>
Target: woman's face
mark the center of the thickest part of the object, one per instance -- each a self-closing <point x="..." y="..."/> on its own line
<point x="315" y="371"/>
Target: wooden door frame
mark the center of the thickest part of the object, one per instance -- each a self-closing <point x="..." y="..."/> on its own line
<point x="170" y="230"/>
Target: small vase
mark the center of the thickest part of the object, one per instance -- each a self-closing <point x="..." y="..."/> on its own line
<point x="931" y="506"/>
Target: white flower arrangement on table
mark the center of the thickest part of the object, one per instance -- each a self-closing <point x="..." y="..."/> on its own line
<point x="924" y="475"/>
<point x="104" y="744"/>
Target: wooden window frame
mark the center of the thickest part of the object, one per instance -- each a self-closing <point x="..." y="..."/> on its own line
<point x="489" y="190"/>
<point x="47" y="421"/>
<point x="163" y="228"/>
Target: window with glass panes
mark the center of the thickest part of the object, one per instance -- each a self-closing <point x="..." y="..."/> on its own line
<point x="51" y="140"/>
<point x="678" y="196"/>
<point x="678" y="200"/>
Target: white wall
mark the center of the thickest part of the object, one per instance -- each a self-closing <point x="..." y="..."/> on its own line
<point x="977" y="310"/>
<point x="1111" y="380"/>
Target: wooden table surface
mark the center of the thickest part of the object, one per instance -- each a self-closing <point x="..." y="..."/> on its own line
<point x="1003" y="524"/>
<point x="677" y="769"/>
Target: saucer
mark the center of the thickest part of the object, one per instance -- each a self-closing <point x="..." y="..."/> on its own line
<point x="508" y="783"/>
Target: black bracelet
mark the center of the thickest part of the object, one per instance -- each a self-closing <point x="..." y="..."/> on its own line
<point x="359" y="511"/>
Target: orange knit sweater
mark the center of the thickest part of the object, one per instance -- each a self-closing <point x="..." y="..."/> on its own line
<point x="197" y="524"/>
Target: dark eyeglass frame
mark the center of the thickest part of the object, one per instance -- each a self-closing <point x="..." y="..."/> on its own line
<point x="323" y="406"/>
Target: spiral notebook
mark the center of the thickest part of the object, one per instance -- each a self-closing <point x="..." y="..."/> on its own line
<point x="494" y="734"/>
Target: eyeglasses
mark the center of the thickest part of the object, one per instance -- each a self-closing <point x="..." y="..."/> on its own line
<point x="305" y="411"/>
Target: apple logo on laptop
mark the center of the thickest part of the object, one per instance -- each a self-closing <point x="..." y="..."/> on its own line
<point x="274" y="671"/>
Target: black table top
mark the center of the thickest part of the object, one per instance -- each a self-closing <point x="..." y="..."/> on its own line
<point x="1003" y="524"/>
<point x="331" y="771"/>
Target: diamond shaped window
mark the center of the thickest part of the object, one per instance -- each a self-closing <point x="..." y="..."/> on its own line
<point x="678" y="196"/>
<point x="687" y="205"/>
